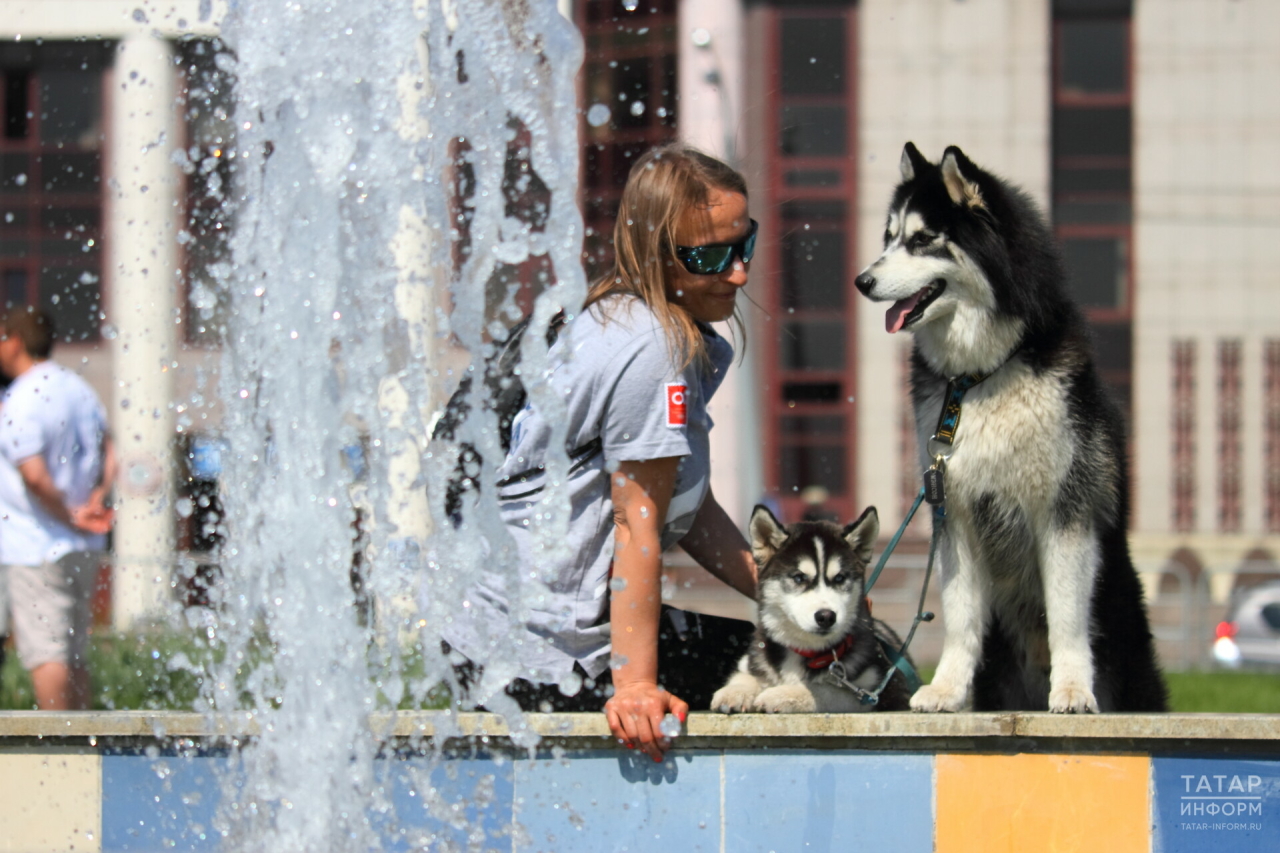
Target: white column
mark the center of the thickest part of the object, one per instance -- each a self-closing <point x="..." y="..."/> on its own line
<point x="142" y="280"/>
<point x="709" y="48"/>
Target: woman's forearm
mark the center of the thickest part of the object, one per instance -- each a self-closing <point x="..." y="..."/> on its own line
<point x="634" y="610"/>
<point x="717" y="545"/>
<point x="641" y="493"/>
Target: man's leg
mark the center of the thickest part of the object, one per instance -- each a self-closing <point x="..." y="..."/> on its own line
<point x="60" y="687"/>
<point x="5" y="627"/>
<point x="51" y="620"/>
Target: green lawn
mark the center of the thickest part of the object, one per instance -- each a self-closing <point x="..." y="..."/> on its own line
<point x="1238" y="692"/>
<point x="163" y="671"/>
<point x="155" y="672"/>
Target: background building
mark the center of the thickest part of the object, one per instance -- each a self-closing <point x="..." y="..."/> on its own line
<point x="1144" y="127"/>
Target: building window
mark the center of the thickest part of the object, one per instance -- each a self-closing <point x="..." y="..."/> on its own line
<point x="1092" y="174"/>
<point x="1271" y="431"/>
<point x="207" y="162"/>
<point x="1184" y="436"/>
<point x="805" y="269"/>
<point x="51" y="227"/>
<point x="813" y="120"/>
<point x="629" y="87"/>
<point x="1229" y="438"/>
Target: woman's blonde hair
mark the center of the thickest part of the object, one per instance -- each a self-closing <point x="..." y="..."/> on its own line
<point x="664" y="183"/>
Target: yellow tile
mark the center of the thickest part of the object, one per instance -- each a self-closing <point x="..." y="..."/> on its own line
<point x="1042" y="803"/>
<point x="50" y="800"/>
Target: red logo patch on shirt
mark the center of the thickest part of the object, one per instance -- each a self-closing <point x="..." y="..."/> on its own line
<point x="677" y="405"/>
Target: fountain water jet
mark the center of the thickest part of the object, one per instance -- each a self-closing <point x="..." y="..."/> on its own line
<point x="371" y="174"/>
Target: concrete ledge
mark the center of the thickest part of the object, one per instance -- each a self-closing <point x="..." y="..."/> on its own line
<point x="1022" y="732"/>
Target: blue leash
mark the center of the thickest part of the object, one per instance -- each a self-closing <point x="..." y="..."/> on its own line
<point x="893" y="543"/>
<point x="898" y="657"/>
<point x="933" y="491"/>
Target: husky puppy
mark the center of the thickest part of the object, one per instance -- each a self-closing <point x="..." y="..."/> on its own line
<point x="1042" y="606"/>
<point x="813" y="614"/>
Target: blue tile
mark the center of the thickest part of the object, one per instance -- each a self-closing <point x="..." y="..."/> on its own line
<point x="1213" y="804"/>
<point x="822" y="802"/>
<point x="604" y="802"/>
<point x="456" y="803"/>
<point x="163" y="803"/>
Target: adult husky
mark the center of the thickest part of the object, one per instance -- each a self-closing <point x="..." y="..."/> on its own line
<point x="1042" y="606"/>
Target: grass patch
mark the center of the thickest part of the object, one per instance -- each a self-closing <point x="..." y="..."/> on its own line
<point x="1253" y="692"/>
<point x="135" y="672"/>
<point x="163" y="671"/>
<point x="1212" y="691"/>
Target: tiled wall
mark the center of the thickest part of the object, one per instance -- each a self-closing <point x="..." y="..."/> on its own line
<point x="698" y="800"/>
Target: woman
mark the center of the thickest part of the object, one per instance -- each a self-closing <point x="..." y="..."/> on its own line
<point x="636" y="368"/>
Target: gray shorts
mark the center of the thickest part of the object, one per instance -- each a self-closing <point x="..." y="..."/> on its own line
<point x="49" y="607"/>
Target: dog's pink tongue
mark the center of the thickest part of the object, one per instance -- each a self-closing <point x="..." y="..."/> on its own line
<point x="897" y="313"/>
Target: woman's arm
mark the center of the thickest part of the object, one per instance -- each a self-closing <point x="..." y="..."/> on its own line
<point x="641" y="492"/>
<point x="717" y="545"/>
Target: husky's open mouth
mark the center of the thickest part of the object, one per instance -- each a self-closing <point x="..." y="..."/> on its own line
<point x="904" y="312"/>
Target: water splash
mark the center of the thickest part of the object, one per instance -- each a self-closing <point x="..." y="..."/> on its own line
<point x="375" y="208"/>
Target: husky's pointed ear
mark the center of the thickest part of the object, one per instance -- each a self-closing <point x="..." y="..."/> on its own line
<point x="861" y="534"/>
<point x="767" y="534"/>
<point x="912" y="162"/>
<point x="957" y="176"/>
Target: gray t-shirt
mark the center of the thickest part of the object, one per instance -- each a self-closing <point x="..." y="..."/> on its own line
<point x="626" y="401"/>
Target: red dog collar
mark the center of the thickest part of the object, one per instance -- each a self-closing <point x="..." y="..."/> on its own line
<point x="824" y="659"/>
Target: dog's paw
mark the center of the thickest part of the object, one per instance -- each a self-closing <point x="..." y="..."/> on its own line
<point x="1072" y="699"/>
<point x="933" y="698"/>
<point x="733" y="698"/>
<point x="786" y="699"/>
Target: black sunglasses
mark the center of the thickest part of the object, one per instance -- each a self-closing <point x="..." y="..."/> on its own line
<point x="718" y="257"/>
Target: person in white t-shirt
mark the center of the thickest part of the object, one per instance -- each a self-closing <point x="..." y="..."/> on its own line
<point x="56" y="466"/>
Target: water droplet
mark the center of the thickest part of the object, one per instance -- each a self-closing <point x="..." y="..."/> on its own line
<point x="598" y="115"/>
<point x="630" y="5"/>
<point x="670" y="726"/>
<point x="618" y="584"/>
<point x="571" y="684"/>
<point x="637" y="108"/>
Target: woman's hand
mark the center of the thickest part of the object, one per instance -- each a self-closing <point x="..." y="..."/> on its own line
<point x="635" y="713"/>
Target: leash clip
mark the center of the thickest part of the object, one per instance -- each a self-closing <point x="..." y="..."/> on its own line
<point x="840" y="676"/>
<point x="939" y="448"/>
